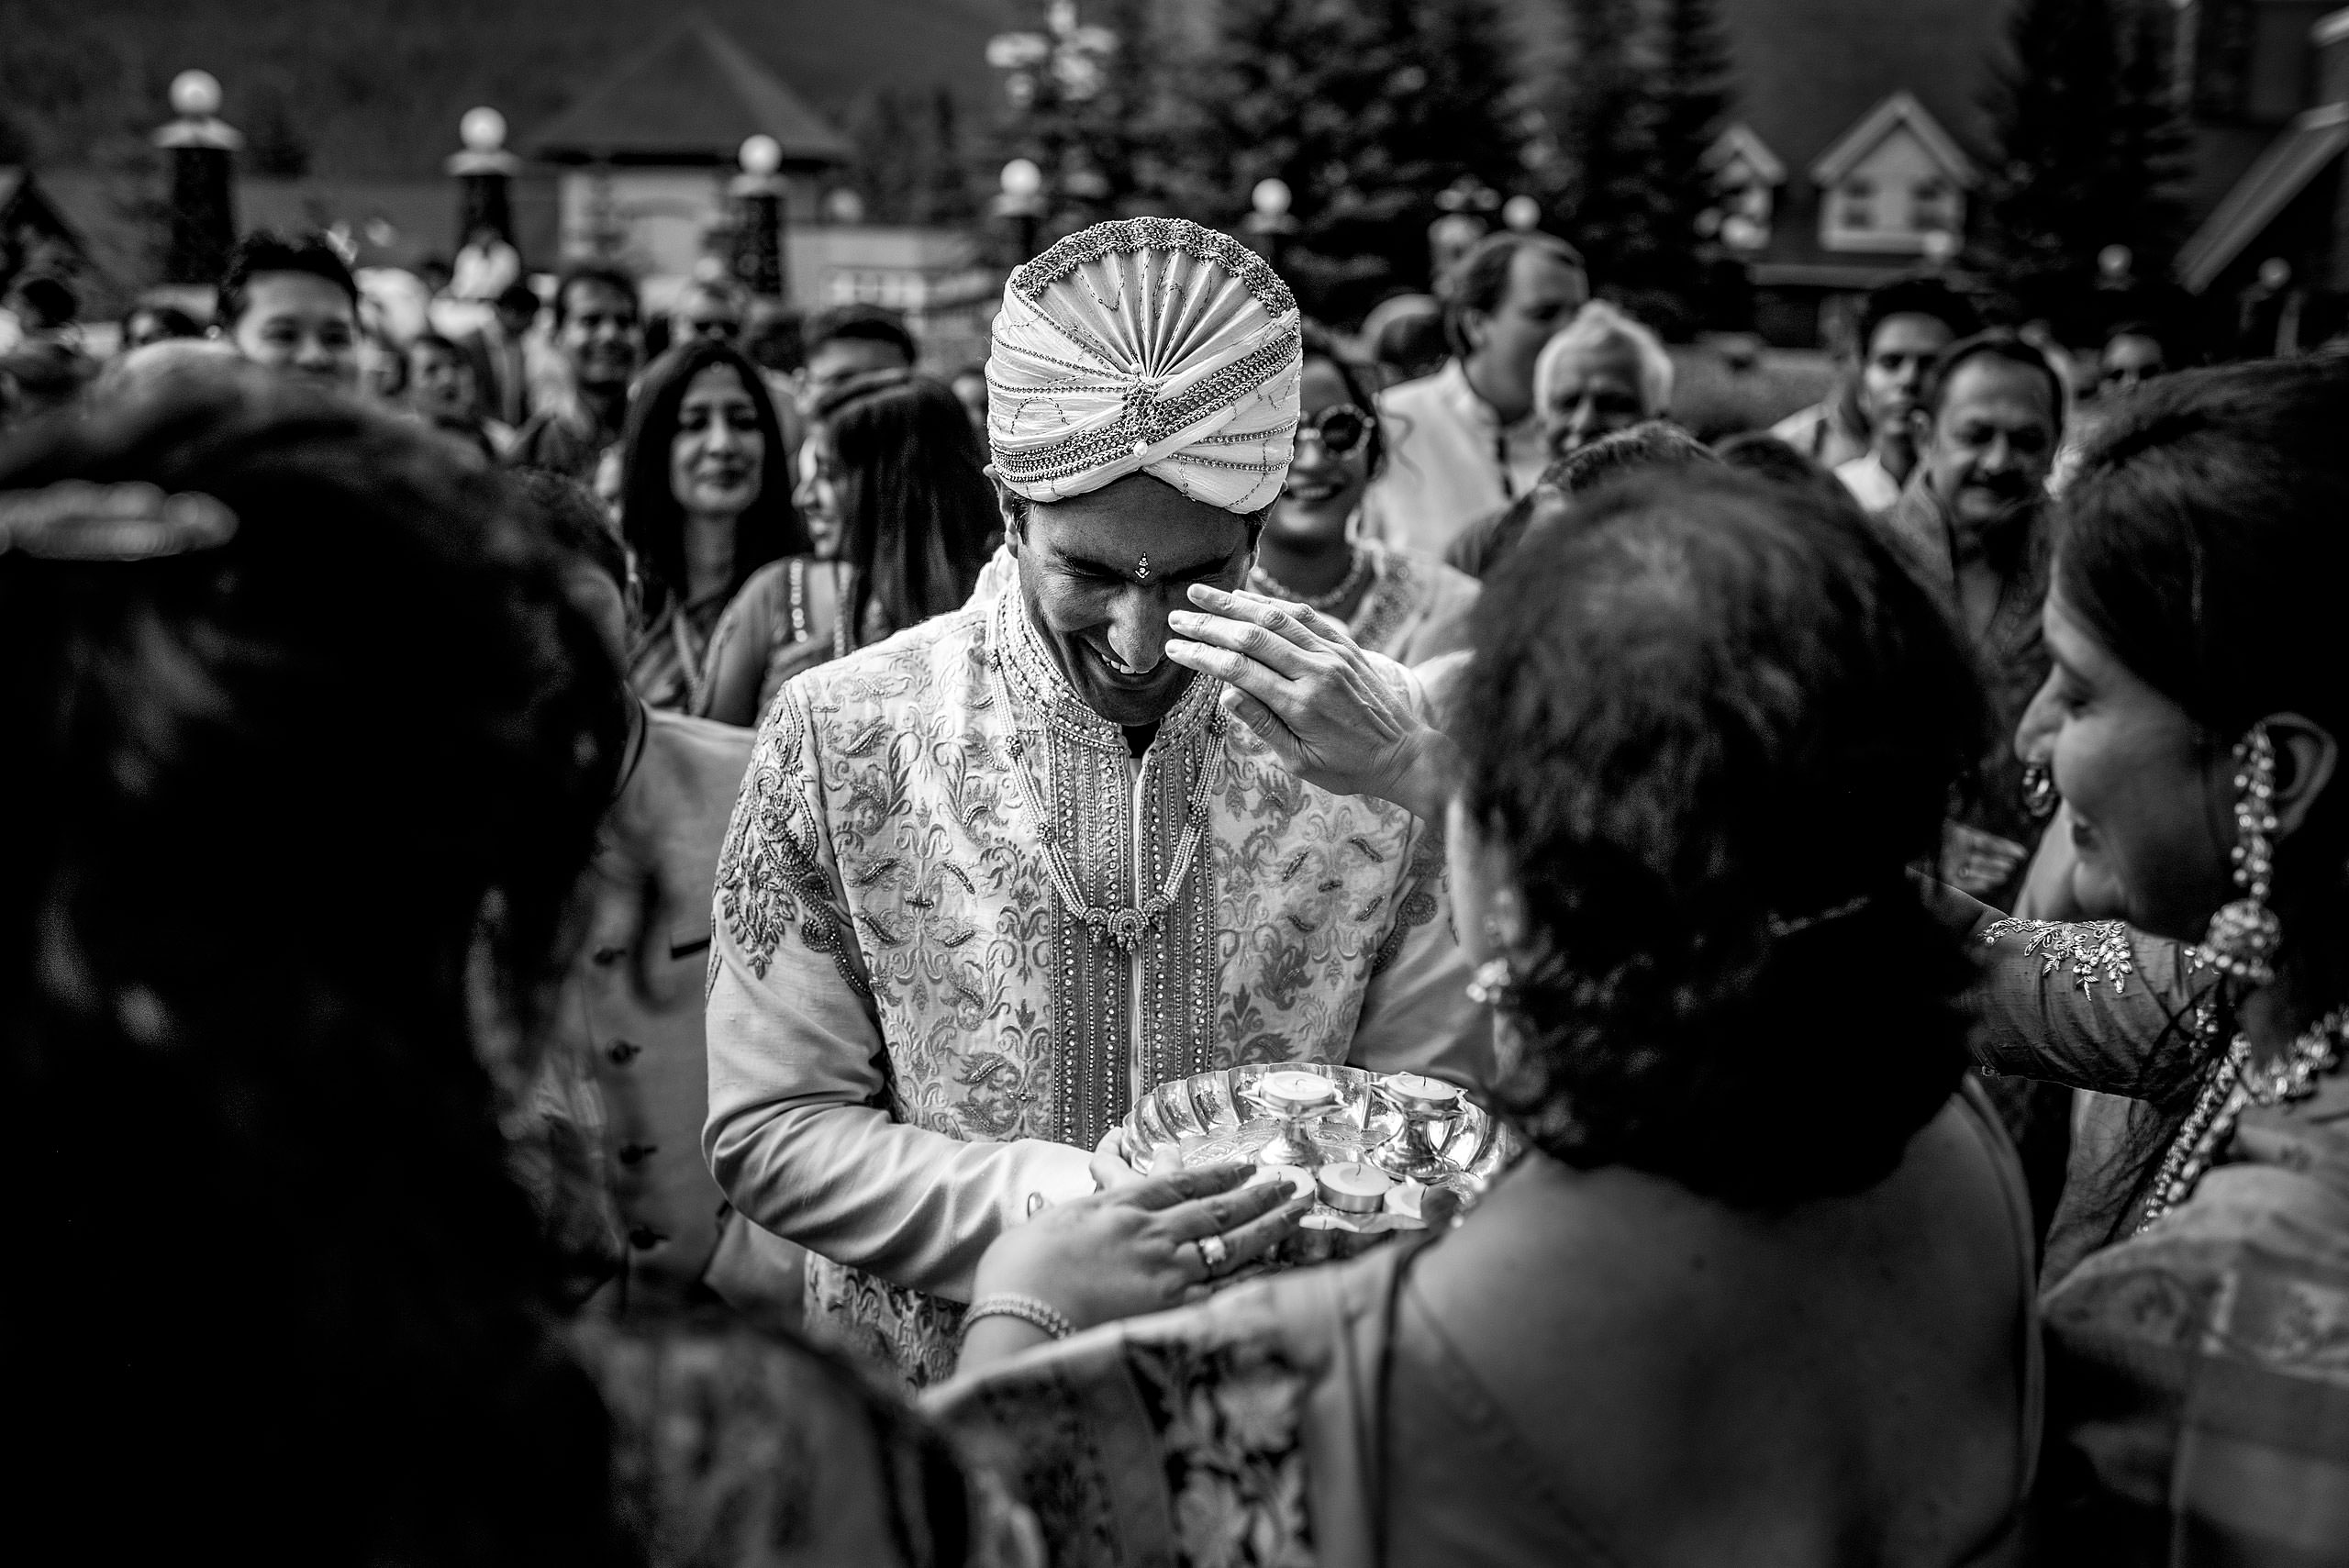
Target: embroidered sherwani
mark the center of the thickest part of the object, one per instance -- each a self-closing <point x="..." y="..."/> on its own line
<point x="913" y="1035"/>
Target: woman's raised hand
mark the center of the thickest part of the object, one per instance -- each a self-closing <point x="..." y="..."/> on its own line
<point x="1335" y="714"/>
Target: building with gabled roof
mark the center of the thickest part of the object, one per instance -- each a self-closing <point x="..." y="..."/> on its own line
<point x="1858" y="134"/>
<point x="645" y="155"/>
<point x="2269" y="256"/>
<point x="688" y="100"/>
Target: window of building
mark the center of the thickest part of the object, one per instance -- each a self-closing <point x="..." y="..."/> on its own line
<point x="1855" y="204"/>
<point x="1930" y="206"/>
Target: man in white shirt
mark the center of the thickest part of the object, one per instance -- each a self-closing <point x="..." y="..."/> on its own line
<point x="1907" y="324"/>
<point x="1469" y="439"/>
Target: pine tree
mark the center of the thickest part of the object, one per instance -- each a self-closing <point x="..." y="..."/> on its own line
<point x="947" y="192"/>
<point x="1604" y="114"/>
<point x="910" y="164"/>
<point x="1695" y="282"/>
<point x="1088" y="111"/>
<point x="2089" y="145"/>
<point x="2150" y="142"/>
<point x="1366" y="110"/>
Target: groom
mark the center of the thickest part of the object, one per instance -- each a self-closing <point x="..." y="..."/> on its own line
<point x="993" y="878"/>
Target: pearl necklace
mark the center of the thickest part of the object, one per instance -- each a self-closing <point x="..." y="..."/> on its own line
<point x="1125" y="927"/>
<point x="1272" y="587"/>
<point x="2234" y="1085"/>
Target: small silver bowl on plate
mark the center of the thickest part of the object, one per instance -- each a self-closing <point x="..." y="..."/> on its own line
<point x="1413" y="1129"/>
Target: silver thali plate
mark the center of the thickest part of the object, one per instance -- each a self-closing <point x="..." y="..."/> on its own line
<point x="1217" y="1115"/>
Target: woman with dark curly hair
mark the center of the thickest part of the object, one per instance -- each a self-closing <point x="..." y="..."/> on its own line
<point x="1760" y="1287"/>
<point x="894" y="493"/>
<point x="309" y="745"/>
<point x="704" y="502"/>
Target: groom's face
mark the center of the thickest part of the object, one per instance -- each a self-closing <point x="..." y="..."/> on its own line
<point x="1100" y="571"/>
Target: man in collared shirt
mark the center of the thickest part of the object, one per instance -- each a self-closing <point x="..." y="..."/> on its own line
<point x="1906" y="323"/>
<point x="601" y="336"/>
<point x="1469" y="440"/>
<point x="1975" y="527"/>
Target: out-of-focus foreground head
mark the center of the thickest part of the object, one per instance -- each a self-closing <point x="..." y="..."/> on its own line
<point x="1707" y="727"/>
<point x="308" y="747"/>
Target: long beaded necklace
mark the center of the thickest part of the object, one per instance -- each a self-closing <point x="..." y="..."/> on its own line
<point x="2234" y="1085"/>
<point x="1272" y="587"/>
<point x="1128" y="925"/>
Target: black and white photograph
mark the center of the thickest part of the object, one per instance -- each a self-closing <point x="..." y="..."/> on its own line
<point x="1175" y="784"/>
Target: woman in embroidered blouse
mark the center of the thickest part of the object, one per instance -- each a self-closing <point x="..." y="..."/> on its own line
<point x="1410" y="608"/>
<point x="704" y="503"/>
<point x="2193" y="723"/>
<point x="894" y="493"/>
<point x="1760" y="1288"/>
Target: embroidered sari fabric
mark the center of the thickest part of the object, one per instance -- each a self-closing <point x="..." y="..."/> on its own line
<point x="1319" y="1419"/>
<point x="669" y="665"/>
<point x="2200" y="1367"/>
<point x="913" y="1035"/>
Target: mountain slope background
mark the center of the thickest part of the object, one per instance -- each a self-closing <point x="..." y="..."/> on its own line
<point x="375" y="87"/>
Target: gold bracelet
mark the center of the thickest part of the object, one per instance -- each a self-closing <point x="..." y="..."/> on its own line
<point x="1027" y="1308"/>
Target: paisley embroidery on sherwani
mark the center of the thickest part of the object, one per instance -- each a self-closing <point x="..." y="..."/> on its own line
<point x="767" y="874"/>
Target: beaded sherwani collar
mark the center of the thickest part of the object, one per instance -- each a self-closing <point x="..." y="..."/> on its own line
<point x="1044" y="694"/>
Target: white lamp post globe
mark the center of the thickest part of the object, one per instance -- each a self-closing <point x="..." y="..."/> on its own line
<point x="760" y="155"/>
<point x="2274" y="272"/>
<point x="195" y="95"/>
<point x="1022" y="179"/>
<point x="2114" y="261"/>
<point x="481" y="129"/>
<point x="1270" y="198"/>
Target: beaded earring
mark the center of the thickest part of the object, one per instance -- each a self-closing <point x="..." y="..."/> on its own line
<point x="2039" y="797"/>
<point x="2244" y="933"/>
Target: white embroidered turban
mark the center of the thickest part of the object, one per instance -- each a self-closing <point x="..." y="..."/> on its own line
<point x="1150" y="346"/>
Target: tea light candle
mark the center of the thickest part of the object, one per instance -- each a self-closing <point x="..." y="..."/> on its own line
<point x="1352" y="1187"/>
<point x="1296" y="1093"/>
<point x="1427" y="1096"/>
<point x="1299" y="1181"/>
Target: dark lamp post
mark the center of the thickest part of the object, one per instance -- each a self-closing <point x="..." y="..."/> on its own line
<point x="484" y="172"/>
<point x="1269" y="218"/>
<point x="1022" y="200"/>
<point x="203" y="202"/>
<point x="758" y="217"/>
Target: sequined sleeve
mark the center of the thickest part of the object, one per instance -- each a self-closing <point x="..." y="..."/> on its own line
<point x="2094" y="1005"/>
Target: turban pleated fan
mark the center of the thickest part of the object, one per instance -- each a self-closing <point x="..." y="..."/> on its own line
<point x="1148" y="346"/>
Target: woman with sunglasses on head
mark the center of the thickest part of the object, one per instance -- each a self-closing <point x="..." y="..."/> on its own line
<point x="1406" y="606"/>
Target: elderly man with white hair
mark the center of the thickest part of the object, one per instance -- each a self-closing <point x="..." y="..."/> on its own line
<point x="1605" y="373"/>
<point x="992" y="879"/>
